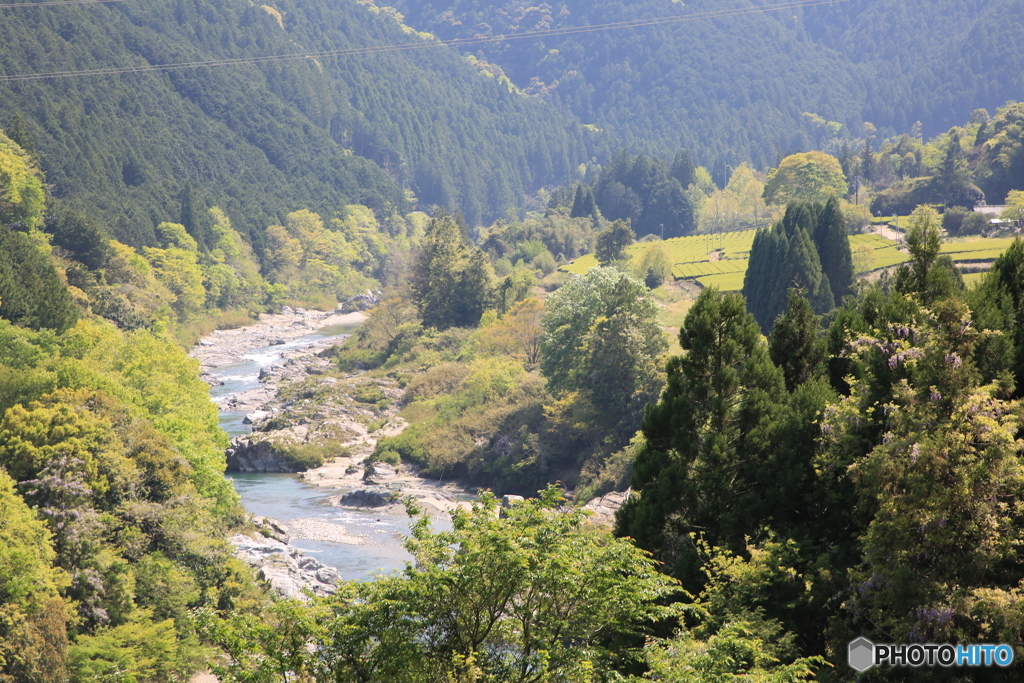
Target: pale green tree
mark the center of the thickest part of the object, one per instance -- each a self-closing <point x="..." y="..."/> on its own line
<point x="602" y="342"/>
<point x="807" y="176"/>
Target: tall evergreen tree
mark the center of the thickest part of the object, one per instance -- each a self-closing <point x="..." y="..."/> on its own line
<point x="833" y="244"/>
<point x="795" y="344"/>
<point x="782" y="257"/>
<point x="683" y="169"/>
<point x="452" y="280"/>
<point x="584" y="205"/>
<point x="32" y="294"/>
<point x="867" y="161"/>
<point x="953" y="178"/>
<point x="690" y="473"/>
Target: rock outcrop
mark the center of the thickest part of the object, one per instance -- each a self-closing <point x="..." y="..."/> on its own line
<point x="247" y="454"/>
<point x="288" y="570"/>
<point x="359" y="302"/>
<point x="369" y="497"/>
<point x="603" y="508"/>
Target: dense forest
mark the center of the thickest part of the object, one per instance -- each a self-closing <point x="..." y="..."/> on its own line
<point x="739" y="86"/>
<point x="260" y="140"/>
<point x="481" y="133"/>
<point x="819" y="457"/>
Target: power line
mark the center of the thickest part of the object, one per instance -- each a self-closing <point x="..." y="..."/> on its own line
<point x="57" y="3"/>
<point x="380" y="49"/>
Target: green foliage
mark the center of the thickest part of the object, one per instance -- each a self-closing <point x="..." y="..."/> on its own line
<point x="87" y="242"/>
<point x="33" y="639"/>
<point x="928" y="274"/>
<point x="831" y="239"/>
<point x="111" y="463"/>
<point x="735" y="652"/>
<point x="805" y="177"/>
<point x="786" y="255"/>
<point x="530" y="594"/>
<point x="392" y="326"/>
<point x="795" y="344"/>
<point x="931" y="487"/>
<point x="645" y="192"/>
<point x="584" y="205"/>
<point x="1002" y="164"/>
<point x="452" y="281"/>
<point x="958" y="221"/>
<point x="566" y="238"/>
<point x="715" y="394"/>
<point x="612" y="242"/>
<point x="602" y="341"/>
<point x="655" y="266"/>
<point x="141" y="651"/>
<point x="319" y="133"/>
<point x="21" y="187"/>
<point x="32" y="294"/>
<point x="517" y="286"/>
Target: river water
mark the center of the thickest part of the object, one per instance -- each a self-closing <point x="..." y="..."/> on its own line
<point x="286" y="497"/>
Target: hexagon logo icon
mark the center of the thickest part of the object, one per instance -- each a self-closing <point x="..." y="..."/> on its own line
<point x="861" y="654"/>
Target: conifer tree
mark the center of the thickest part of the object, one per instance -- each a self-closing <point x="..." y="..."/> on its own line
<point x="790" y="254"/>
<point x="695" y="433"/>
<point x="833" y="244"/>
<point x="451" y="280"/>
<point x="683" y="169"/>
<point x="584" y="205"/>
<point x="795" y="344"/>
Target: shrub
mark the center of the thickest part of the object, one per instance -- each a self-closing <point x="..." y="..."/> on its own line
<point x="406" y="446"/>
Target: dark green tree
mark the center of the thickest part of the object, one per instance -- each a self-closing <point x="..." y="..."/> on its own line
<point x="584" y="205"/>
<point x="832" y="241"/>
<point x="997" y="304"/>
<point x="32" y="294"/>
<point x="691" y="473"/>
<point x="683" y="169"/>
<point x="196" y="218"/>
<point x="785" y="256"/>
<point x="669" y="212"/>
<point x="867" y="161"/>
<point x="452" y="281"/>
<point x="17" y="130"/>
<point x="88" y="242"/>
<point x="952" y="181"/>
<point x="612" y="242"/>
<point x="796" y="344"/>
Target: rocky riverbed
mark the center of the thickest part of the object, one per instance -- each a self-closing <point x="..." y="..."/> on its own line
<point x="293" y="398"/>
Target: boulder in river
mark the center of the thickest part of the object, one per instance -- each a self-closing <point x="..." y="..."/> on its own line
<point x="370" y="497"/>
<point x="259" y="455"/>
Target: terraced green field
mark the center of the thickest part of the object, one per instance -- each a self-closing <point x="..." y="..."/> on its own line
<point x="692" y="256"/>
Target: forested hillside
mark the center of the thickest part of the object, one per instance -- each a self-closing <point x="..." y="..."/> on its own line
<point x="735" y="87"/>
<point x="262" y="140"/>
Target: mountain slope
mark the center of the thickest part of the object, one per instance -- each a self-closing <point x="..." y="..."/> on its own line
<point x="734" y="87"/>
<point x="264" y="139"/>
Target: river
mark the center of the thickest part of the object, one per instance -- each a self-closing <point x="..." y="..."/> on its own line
<point x="286" y="497"/>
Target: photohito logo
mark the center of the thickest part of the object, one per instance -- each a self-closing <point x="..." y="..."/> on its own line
<point x="863" y="654"/>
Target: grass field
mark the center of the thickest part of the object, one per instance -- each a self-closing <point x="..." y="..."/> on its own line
<point x="692" y="256"/>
